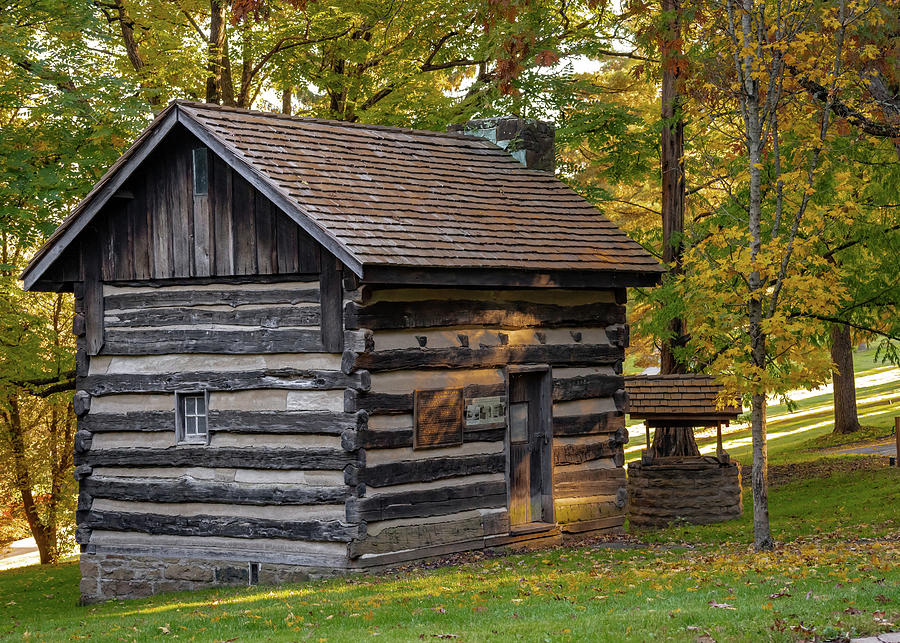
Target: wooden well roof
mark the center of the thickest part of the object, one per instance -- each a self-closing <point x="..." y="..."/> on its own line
<point x="689" y="400"/>
<point x="385" y="197"/>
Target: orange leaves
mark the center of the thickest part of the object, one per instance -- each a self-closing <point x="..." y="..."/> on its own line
<point x="510" y="64"/>
<point x="546" y="58"/>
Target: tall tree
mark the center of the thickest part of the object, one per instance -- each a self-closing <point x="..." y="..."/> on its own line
<point x="757" y="272"/>
<point x="64" y="113"/>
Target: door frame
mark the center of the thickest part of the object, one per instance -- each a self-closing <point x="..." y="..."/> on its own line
<point x="545" y="401"/>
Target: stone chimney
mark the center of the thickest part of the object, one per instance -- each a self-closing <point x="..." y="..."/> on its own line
<point x="529" y="141"/>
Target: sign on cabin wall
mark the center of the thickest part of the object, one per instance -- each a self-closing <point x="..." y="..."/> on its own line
<point x="438" y="418"/>
<point x="485" y="412"/>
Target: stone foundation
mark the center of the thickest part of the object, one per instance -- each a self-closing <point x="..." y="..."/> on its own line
<point x="108" y="576"/>
<point x="697" y="490"/>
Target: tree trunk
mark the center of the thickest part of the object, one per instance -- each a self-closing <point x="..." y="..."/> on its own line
<point x="846" y="419"/>
<point x="126" y="25"/>
<point x="216" y="51"/>
<point x="227" y="83"/>
<point x="16" y="437"/>
<point x="672" y="169"/>
<point x="762" y="536"/>
<point x="286" y="100"/>
<point x="244" y="95"/>
<point x="672" y="441"/>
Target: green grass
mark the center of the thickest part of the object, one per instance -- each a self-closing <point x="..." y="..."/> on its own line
<point x="837" y="571"/>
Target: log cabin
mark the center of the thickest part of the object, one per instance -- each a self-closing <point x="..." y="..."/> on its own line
<point x="309" y="348"/>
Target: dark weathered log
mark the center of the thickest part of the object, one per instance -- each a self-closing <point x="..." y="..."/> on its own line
<point x="255" y="458"/>
<point x="383" y="475"/>
<point x="182" y="298"/>
<point x="221" y="279"/>
<point x="274" y="378"/>
<point x="158" y="342"/>
<point x="620" y="436"/>
<point x="317" y="530"/>
<point x="399" y="438"/>
<point x="82" y="441"/>
<point x="572" y="476"/>
<point x="566" y="425"/>
<point x="386" y="315"/>
<point x="350" y="440"/>
<point x="78" y="325"/>
<point x="93" y="297"/>
<point x="586" y="387"/>
<point x="428" y="502"/>
<point x="332" y="297"/>
<point x="132" y="421"/>
<point x="406" y="537"/>
<point x="82" y="361"/>
<point x="460" y="357"/>
<point x="387" y="403"/>
<point x="81" y="403"/>
<point x="190" y="490"/>
<point x="592" y="482"/>
<point x="281" y="317"/>
<point x="611" y="522"/>
<point x="577" y="453"/>
<point x="574" y="388"/>
<point x="282" y="422"/>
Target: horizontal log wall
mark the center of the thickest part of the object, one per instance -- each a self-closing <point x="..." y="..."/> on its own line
<point x="429" y="339"/>
<point x="216" y="318"/>
<point x="281" y="446"/>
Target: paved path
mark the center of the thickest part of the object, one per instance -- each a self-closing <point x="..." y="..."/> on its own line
<point x="888" y="447"/>
<point x="888" y="637"/>
<point x="19" y="554"/>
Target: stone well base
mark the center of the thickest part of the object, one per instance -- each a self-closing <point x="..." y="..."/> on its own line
<point x="107" y="576"/>
<point x="698" y="490"/>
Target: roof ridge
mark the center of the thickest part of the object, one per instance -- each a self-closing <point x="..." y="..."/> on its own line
<point x="335" y="123"/>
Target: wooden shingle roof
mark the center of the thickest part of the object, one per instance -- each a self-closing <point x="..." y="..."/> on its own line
<point x="391" y="197"/>
<point x="685" y="398"/>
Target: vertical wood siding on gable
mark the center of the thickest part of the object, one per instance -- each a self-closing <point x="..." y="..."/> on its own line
<point x="158" y="229"/>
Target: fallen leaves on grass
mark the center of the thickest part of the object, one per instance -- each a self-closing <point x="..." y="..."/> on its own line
<point x="723" y="606"/>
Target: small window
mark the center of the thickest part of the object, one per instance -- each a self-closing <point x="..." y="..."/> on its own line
<point x="191" y="417"/>
<point x="201" y="171"/>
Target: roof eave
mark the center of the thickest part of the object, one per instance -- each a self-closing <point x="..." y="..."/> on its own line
<point x="381" y="274"/>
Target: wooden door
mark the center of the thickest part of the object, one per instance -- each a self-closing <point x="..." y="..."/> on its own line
<point x="528" y="447"/>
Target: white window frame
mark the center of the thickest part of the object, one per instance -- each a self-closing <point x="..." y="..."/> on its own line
<point x="181" y="416"/>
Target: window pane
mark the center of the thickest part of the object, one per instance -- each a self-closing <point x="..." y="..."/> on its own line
<point x="201" y="172"/>
<point x="190" y="425"/>
<point x="189" y="405"/>
<point x="518" y="422"/>
<point x="201" y="404"/>
<point x="201" y="425"/>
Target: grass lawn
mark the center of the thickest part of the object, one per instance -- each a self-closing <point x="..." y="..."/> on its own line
<point x="834" y="573"/>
